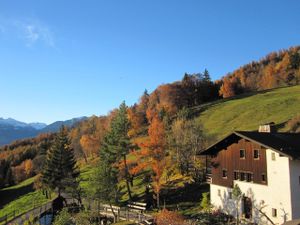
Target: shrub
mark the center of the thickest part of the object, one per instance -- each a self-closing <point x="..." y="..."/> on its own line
<point x="63" y="218"/>
<point x="293" y="125"/>
<point x="205" y="202"/>
<point x="166" y="217"/>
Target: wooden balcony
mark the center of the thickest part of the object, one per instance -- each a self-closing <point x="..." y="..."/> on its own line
<point x="208" y="178"/>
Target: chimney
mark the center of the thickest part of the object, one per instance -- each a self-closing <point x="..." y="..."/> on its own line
<point x="267" y="128"/>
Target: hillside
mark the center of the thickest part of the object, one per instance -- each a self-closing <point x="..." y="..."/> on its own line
<point x="218" y="119"/>
<point x="248" y="112"/>
<point x="277" y="69"/>
<point x="10" y="133"/>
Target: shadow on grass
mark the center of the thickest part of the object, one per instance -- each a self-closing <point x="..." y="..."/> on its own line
<point x="7" y="196"/>
<point x="187" y="195"/>
<point x="200" y="108"/>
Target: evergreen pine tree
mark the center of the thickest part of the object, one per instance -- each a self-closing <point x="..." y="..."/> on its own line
<point x="60" y="170"/>
<point x="116" y="146"/>
<point x="206" y="76"/>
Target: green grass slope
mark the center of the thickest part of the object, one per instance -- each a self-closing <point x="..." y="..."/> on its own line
<point x="248" y="112"/>
<point x="20" y="198"/>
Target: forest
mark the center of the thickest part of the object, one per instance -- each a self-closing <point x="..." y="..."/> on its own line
<point x="168" y="109"/>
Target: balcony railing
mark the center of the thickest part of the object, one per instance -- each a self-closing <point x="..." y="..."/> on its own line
<point x="208" y="178"/>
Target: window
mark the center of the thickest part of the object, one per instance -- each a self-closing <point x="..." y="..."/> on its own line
<point x="229" y="195"/>
<point x="242" y="154"/>
<point x="256" y="154"/>
<point x="273" y="156"/>
<point x="236" y="175"/>
<point x="274" y="212"/>
<point x="249" y="177"/>
<point x="224" y="173"/>
<point x="242" y="176"/>
<point x="263" y="178"/>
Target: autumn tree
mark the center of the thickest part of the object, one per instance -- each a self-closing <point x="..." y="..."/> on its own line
<point x="275" y="70"/>
<point x="269" y="78"/>
<point x="154" y="149"/>
<point x="228" y="88"/>
<point x="137" y="116"/>
<point x="28" y="167"/>
<point x="89" y="143"/>
<point x="60" y="166"/>
<point x="186" y="139"/>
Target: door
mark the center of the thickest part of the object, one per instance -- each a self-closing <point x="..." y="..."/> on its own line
<point x="247" y="207"/>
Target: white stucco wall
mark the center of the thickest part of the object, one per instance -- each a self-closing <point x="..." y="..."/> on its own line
<point x="277" y="194"/>
<point x="222" y="201"/>
<point x="295" y="187"/>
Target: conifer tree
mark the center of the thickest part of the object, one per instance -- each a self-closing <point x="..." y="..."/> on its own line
<point x="116" y="145"/>
<point x="60" y="169"/>
<point x="206" y="76"/>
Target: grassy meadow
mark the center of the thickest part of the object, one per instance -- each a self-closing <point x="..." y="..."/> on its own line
<point x="248" y="112"/>
<point x="20" y="198"/>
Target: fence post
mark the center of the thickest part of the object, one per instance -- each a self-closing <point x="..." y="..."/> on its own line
<point x="45" y="220"/>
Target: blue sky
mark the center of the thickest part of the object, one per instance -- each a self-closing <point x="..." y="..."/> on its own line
<point x="64" y="59"/>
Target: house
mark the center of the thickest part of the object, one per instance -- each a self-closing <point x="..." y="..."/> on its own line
<point x="266" y="167"/>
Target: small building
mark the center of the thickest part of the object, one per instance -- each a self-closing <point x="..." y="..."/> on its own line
<point x="266" y="167"/>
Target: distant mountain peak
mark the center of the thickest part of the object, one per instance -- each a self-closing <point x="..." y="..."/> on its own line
<point x="12" y="122"/>
<point x="37" y="125"/>
<point x="11" y="129"/>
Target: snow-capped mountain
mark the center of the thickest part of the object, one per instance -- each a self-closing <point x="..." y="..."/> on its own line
<point x="38" y="126"/>
<point x="11" y="129"/>
<point x="12" y="122"/>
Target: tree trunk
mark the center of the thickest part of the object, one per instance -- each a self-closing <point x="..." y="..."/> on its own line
<point x="127" y="178"/>
<point x="157" y="200"/>
<point x="237" y="214"/>
<point x="265" y="215"/>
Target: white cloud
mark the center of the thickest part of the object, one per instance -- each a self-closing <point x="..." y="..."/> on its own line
<point x="35" y="32"/>
<point x="32" y="35"/>
<point x="31" y="31"/>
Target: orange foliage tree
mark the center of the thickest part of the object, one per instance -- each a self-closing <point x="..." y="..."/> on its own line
<point x="28" y="167"/>
<point x="229" y="87"/>
<point x="89" y="144"/>
<point x="154" y="151"/>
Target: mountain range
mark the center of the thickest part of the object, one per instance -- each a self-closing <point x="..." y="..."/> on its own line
<point x="11" y="129"/>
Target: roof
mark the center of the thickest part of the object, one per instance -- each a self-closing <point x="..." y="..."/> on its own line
<point x="287" y="144"/>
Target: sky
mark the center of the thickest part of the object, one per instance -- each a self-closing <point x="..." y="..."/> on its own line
<point x="66" y="59"/>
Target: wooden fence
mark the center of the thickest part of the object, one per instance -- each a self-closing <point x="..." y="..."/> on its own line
<point x="103" y="210"/>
